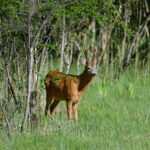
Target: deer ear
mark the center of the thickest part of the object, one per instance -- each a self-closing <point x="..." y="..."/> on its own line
<point x="83" y="61"/>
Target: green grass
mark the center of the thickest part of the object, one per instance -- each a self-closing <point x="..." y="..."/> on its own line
<point x="113" y="115"/>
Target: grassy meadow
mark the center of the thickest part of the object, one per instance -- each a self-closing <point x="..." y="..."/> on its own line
<point x="114" y="114"/>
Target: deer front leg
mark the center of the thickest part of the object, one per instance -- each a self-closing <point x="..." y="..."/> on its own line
<point x="75" y="111"/>
<point x="69" y="109"/>
<point x="53" y="107"/>
<point x="48" y="102"/>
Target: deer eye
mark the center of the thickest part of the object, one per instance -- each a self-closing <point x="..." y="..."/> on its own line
<point x="88" y="68"/>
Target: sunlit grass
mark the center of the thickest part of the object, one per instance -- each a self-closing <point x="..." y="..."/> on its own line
<point x="114" y="114"/>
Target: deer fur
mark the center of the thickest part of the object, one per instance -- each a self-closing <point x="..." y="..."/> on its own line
<point x="70" y="88"/>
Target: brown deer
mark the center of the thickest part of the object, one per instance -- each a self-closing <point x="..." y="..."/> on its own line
<point x="61" y="86"/>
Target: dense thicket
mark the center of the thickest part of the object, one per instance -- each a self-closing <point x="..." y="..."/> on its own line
<point x="36" y="32"/>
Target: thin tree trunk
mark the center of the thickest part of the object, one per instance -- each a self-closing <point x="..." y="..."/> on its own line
<point x="108" y="38"/>
<point x="93" y="33"/>
<point x="105" y="34"/>
<point x="30" y="65"/>
<point x="112" y="62"/>
<point x="79" y="56"/>
<point x="29" y="89"/>
<point x="42" y="62"/>
<point x="126" y="14"/>
<point x="12" y="89"/>
<point x="10" y="83"/>
<point x="43" y="56"/>
<point x="33" y="108"/>
<point x="78" y="62"/>
<point x="63" y="45"/>
<point x="137" y="36"/>
<point x="70" y="58"/>
<point x="32" y="42"/>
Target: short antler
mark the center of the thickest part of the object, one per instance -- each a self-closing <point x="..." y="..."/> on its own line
<point x="86" y="55"/>
<point x="94" y="56"/>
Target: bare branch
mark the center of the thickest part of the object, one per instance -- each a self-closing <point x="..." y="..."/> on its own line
<point x="43" y="24"/>
<point x="138" y="35"/>
<point x="11" y="87"/>
<point x="109" y="36"/>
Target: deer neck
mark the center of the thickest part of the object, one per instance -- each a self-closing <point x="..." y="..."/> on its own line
<point x="84" y="81"/>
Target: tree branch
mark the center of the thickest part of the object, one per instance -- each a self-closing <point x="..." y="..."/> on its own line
<point x="138" y="35"/>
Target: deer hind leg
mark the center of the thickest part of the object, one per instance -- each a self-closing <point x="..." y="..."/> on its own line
<point x="75" y="111"/>
<point x="53" y="107"/>
<point x="69" y="109"/>
<point x="49" y="99"/>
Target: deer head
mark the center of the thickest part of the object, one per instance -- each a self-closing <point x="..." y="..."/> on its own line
<point x="90" y="65"/>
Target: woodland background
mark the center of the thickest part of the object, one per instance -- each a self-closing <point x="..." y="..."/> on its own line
<point x="41" y="35"/>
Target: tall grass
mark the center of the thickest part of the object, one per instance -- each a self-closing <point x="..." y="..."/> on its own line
<point x="114" y="114"/>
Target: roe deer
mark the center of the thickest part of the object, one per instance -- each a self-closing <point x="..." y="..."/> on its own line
<point x="70" y="88"/>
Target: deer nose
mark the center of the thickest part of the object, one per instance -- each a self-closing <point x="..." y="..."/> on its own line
<point x="93" y="74"/>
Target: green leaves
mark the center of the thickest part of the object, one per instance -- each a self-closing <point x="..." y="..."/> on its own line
<point x="10" y="8"/>
<point x="98" y="9"/>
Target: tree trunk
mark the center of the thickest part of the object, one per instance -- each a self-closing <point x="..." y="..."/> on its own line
<point x="69" y="58"/>
<point x="78" y="62"/>
<point x="30" y="63"/>
<point x="126" y="15"/>
<point x="79" y="56"/>
<point x="29" y="89"/>
<point x="62" y="46"/>
<point x="93" y="33"/>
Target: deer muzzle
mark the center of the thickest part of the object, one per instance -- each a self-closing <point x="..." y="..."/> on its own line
<point x="93" y="74"/>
